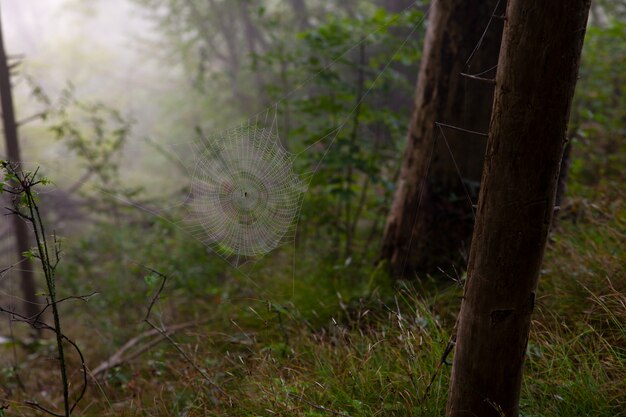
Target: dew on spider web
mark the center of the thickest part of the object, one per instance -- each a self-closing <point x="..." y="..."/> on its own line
<point x="245" y="196"/>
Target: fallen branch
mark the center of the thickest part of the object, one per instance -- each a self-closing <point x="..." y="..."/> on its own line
<point x="126" y="353"/>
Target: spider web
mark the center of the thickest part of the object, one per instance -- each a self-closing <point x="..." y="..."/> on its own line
<point x="245" y="198"/>
<point x="244" y="194"/>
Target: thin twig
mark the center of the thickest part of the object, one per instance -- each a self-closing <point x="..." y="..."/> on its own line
<point x="442" y="361"/>
<point x="42" y="408"/>
<point x="320" y="407"/>
<point x="158" y="293"/>
<point x="29" y="119"/>
<point x="41" y="325"/>
<point x="185" y="356"/>
<point x="84" y="298"/>
<point x="165" y="334"/>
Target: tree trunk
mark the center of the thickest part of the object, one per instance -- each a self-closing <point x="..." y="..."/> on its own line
<point x="256" y="46"/>
<point x="537" y="73"/>
<point x="425" y="228"/>
<point x="301" y="13"/>
<point x="396" y="6"/>
<point x="22" y="242"/>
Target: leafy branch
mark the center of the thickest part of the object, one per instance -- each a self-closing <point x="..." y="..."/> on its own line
<point x="20" y="184"/>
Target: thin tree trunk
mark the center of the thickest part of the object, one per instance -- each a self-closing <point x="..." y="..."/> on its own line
<point x="396" y="6"/>
<point x="423" y="228"/>
<point x="537" y="73"/>
<point x="230" y="59"/>
<point x="350" y="231"/>
<point x="22" y="242"/>
<point x="301" y="12"/>
<point x="226" y="23"/>
<point x="256" y="46"/>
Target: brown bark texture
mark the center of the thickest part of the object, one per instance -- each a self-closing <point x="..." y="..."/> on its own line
<point x="537" y="73"/>
<point x="426" y="228"/>
<point x="22" y="242"/>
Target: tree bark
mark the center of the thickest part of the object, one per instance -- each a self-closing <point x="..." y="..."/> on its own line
<point x="424" y="229"/>
<point x="22" y="242"/>
<point x="537" y="73"/>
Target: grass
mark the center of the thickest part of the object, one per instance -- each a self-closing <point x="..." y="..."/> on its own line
<point x="350" y="355"/>
<point x="326" y="339"/>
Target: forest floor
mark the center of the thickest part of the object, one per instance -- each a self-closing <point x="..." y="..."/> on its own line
<point x="318" y="339"/>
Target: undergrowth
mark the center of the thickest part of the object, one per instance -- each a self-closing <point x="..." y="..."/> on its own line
<point x="319" y="336"/>
<point x="326" y="339"/>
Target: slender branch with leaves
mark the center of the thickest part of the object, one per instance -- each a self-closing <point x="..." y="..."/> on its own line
<point x="21" y="185"/>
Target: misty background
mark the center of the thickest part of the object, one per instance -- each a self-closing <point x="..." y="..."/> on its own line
<point x="109" y="51"/>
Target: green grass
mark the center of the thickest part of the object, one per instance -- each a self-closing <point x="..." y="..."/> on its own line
<point x="319" y="348"/>
<point x="324" y="339"/>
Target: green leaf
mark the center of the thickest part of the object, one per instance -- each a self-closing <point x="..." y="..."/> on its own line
<point x="29" y="254"/>
<point x="152" y="280"/>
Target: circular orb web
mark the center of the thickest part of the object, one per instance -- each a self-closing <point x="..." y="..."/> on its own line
<point x="245" y="195"/>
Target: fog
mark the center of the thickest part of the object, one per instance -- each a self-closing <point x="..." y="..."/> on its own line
<point x="109" y="51"/>
<point x="94" y="43"/>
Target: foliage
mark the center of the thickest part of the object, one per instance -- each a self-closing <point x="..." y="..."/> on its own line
<point x="346" y="121"/>
<point x="599" y="111"/>
<point x="343" y="109"/>
<point x="93" y="132"/>
<point x="313" y="329"/>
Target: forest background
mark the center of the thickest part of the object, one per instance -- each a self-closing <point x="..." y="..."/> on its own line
<point x="117" y="91"/>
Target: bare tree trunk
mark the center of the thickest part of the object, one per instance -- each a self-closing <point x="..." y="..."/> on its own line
<point x="423" y="228"/>
<point x="13" y="153"/>
<point x="301" y="12"/>
<point x="537" y="73"/>
<point x="256" y="46"/>
<point x="396" y="6"/>
<point x="230" y="58"/>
